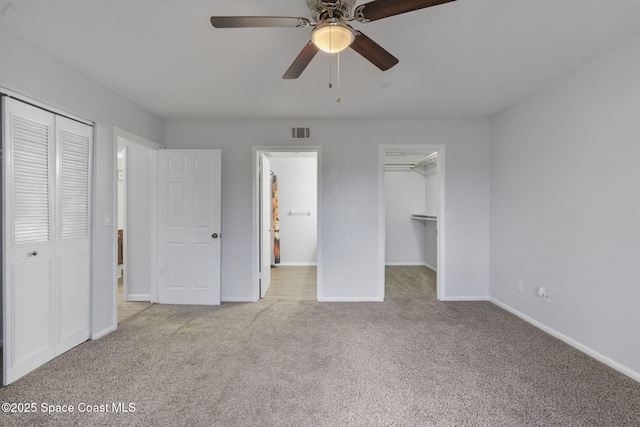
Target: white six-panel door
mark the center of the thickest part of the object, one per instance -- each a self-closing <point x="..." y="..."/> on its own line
<point x="189" y="217"/>
<point x="46" y="263"/>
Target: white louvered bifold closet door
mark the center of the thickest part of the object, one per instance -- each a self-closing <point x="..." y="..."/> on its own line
<point x="28" y="251"/>
<point x="46" y="270"/>
<point x="73" y="244"/>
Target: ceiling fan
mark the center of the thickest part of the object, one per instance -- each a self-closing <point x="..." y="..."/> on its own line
<point x="332" y="32"/>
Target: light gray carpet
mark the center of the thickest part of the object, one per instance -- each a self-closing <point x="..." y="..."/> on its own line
<point x="410" y="361"/>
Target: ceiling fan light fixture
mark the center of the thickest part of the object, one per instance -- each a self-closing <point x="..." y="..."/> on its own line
<point x="333" y="36"/>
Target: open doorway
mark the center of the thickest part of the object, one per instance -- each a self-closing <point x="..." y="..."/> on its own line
<point x="136" y="172"/>
<point x="412" y="201"/>
<point x="286" y="215"/>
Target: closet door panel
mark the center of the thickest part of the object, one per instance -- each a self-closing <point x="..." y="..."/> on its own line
<point x="73" y="307"/>
<point x="73" y="245"/>
<point x="32" y="282"/>
<point x="28" y="242"/>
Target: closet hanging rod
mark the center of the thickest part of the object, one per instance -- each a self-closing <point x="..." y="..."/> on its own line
<point x="399" y="165"/>
<point x="429" y="159"/>
<point x="421" y="217"/>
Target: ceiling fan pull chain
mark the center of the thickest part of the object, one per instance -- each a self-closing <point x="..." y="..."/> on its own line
<point x="330" y="71"/>
<point x="338" y="98"/>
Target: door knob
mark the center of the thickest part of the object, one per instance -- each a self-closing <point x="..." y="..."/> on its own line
<point x="34" y="253"/>
<point x="214" y="235"/>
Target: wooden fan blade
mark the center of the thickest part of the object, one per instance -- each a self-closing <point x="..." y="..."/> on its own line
<point x="373" y="52"/>
<point x="379" y="9"/>
<point x="302" y="60"/>
<point x="258" y="22"/>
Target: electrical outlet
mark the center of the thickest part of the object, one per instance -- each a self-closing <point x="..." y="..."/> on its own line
<point x="349" y="275"/>
<point x="520" y="284"/>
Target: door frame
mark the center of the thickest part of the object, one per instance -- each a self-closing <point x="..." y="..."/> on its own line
<point x="440" y="224"/>
<point x="257" y="151"/>
<point x="265" y="209"/>
<point x="126" y="137"/>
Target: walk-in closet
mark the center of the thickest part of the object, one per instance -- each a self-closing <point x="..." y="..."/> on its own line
<point x="411" y="199"/>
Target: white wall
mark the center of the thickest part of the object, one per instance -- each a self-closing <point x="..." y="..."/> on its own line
<point x="120" y="190"/>
<point x="350" y="199"/>
<point x="404" y="237"/>
<point x="431" y="208"/>
<point x="430" y="188"/>
<point x="27" y="70"/>
<point x="565" y="207"/>
<point x="297" y="190"/>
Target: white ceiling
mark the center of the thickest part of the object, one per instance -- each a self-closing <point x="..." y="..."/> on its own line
<point x="469" y="58"/>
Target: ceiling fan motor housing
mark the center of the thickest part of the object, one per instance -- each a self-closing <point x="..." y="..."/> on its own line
<point x="322" y="10"/>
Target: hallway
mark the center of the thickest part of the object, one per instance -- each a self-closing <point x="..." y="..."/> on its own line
<point x="293" y="283"/>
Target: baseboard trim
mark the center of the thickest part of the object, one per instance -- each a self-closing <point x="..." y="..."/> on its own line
<point x="406" y="264"/>
<point x="430" y="267"/>
<point x="139" y="297"/>
<point x="103" y="332"/>
<point x="468" y="298"/>
<point x="411" y="264"/>
<point x="296" y="264"/>
<point x="568" y="340"/>
<point x="354" y="299"/>
<point x="236" y="299"/>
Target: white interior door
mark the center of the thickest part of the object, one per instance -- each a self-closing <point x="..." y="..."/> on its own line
<point x="266" y="236"/>
<point x="74" y="142"/>
<point x="28" y="241"/>
<point x="189" y="218"/>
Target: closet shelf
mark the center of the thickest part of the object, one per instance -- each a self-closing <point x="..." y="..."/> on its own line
<point x="421" y="217"/>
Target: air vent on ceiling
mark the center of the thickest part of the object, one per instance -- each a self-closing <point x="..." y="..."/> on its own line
<point x="300" y="133"/>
